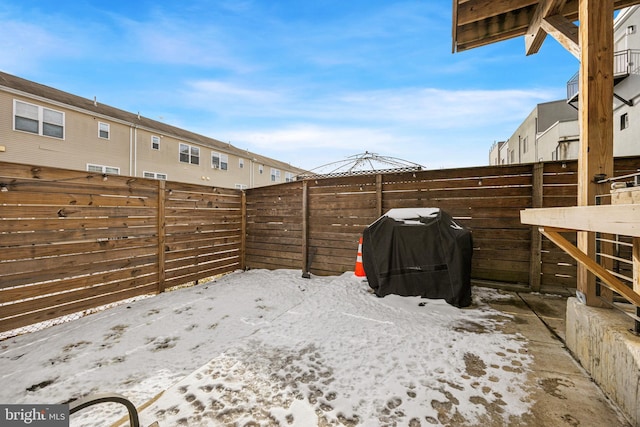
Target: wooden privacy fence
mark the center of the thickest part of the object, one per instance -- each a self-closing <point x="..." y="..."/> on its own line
<point x="71" y="241"/>
<point x="315" y="224"/>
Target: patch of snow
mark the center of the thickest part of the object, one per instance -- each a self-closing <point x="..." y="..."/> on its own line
<point x="269" y="347"/>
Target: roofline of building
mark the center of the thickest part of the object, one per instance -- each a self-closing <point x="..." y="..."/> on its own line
<point x="42" y="93"/>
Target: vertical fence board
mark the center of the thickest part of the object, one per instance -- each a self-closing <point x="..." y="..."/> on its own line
<point x="161" y="235"/>
<point x="535" y="268"/>
<point x="305" y="229"/>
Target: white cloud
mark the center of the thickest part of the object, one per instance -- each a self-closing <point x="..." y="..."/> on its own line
<point x="281" y="81"/>
<point x="425" y="109"/>
<point x="433" y="127"/>
<point x="219" y="95"/>
<point x="23" y="44"/>
<point x="431" y="108"/>
<point x="309" y="136"/>
<point x="158" y="42"/>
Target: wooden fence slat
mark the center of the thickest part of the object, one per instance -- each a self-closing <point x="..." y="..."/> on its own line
<point x="48" y="313"/>
<point x="64" y="285"/>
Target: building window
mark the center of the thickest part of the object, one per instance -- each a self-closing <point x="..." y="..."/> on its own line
<point x="155" y="175"/>
<point x="189" y="154"/>
<point x="103" y="130"/>
<point x="275" y="175"/>
<point x="525" y="144"/>
<point x="155" y="142"/>
<point x="241" y="163"/>
<point x="288" y="177"/>
<point x="261" y="169"/>
<point x="39" y="120"/>
<point x="103" y="169"/>
<point x="219" y="161"/>
<point x="512" y="156"/>
<point x="624" y="121"/>
<point x="241" y="186"/>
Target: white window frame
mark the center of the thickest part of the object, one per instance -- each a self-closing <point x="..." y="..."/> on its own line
<point x="108" y="130"/>
<point x="241" y="186"/>
<point x="219" y="161"/>
<point x="193" y="152"/>
<point x="155" y="142"/>
<point x="261" y="169"/>
<point x="92" y="167"/>
<point x="155" y="175"/>
<point x="275" y="175"/>
<point x="40" y="118"/>
<point x="241" y="163"/>
<point x="288" y="177"/>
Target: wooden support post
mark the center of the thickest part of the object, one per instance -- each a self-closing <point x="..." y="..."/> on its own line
<point x="636" y="264"/>
<point x="535" y="265"/>
<point x="243" y="231"/>
<point x="162" y="232"/>
<point x="305" y="230"/>
<point x="636" y="278"/>
<point x="595" y="157"/>
<point x="379" y="195"/>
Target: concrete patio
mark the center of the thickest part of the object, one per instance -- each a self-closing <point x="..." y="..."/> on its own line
<point x="566" y="394"/>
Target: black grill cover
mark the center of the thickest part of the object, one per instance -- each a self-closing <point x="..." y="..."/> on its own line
<point x="419" y="252"/>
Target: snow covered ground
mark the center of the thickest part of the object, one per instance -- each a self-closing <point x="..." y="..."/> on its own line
<point x="262" y="348"/>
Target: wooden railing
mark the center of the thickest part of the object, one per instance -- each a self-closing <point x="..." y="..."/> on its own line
<point x="621" y="219"/>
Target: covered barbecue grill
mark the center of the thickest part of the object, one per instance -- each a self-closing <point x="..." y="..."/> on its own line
<point x="419" y="252"/>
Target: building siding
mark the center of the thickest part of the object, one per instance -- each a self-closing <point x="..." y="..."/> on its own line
<point x="129" y="146"/>
<point x="552" y="128"/>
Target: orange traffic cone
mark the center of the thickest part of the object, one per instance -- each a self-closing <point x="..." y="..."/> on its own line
<point x="359" y="271"/>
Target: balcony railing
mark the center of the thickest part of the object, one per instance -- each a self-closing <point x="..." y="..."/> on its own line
<point x="625" y="63"/>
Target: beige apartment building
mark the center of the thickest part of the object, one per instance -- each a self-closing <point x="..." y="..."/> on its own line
<point x="44" y="126"/>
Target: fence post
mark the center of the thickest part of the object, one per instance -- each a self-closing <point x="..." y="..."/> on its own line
<point x="537" y="194"/>
<point x="243" y="230"/>
<point x="306" y="265"/>
<point x="379" y="195"/>
<point x="161" y="234"/>
<point x="636" y="277"/>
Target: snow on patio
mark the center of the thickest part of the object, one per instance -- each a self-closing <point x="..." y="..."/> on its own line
<point x="271" y="348"/>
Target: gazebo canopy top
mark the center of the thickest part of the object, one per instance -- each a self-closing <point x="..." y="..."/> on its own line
<point x="482" y="22"/>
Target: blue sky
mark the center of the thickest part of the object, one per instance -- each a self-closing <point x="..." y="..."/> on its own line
<point x="305" y="82"/>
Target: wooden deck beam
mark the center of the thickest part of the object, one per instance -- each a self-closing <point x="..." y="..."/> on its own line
<point x="613" y="219"/>
<point x="564" y="31"/>
<point x="610" y="219"/>
<point x="536" y="33"/>
<point x="607" y="278"/>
